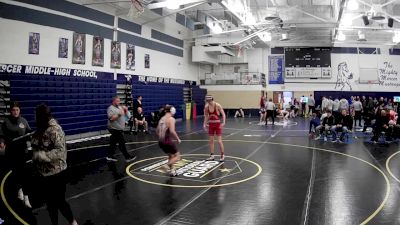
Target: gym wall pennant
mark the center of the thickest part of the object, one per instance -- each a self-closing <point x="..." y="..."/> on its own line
<point x="388" y="75"/>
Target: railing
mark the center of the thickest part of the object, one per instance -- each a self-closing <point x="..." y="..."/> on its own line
<point x="242" y="78"/>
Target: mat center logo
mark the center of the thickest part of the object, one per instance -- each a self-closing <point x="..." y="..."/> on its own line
<point x="194" y="171"/>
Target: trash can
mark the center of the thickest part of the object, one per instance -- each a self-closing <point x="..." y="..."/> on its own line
<point x="188" y="110"/>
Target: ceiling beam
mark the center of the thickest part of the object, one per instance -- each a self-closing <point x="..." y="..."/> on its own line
<point x="105" y="2"/>
<point x="165" y="3"/>
<point x="174" y="12"/>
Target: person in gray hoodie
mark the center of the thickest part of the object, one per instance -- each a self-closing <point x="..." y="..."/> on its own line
<point x="50" y="161"/>
<point x="13" y="137"/>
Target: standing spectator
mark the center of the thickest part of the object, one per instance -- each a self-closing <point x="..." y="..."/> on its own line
<point x="140" y="120"/>
<point x="15" y="126"/>
<point x="357" y="107"/>
<point x="335" y="108"/>
<point x="368" y="113"/>
<point x="270" y="112"/>
<point x="303" y="107"/>
<point x="381" y="124"/>
<point x="50" y="160"/>
<point x="311" y="104"/>
<point x="324" y="104"/>
<point x="136" y="104"/>
<point x="330" y="103"/>
<point x="390" y="105"/>
<point x="262" y="108"/>
<point x="116" y="126"/>
<point x="343" y="104"/>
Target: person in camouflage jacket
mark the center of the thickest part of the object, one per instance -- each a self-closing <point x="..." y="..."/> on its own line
<point x="50" y="160"/>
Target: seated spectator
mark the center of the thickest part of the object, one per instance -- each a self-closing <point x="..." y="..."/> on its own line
<point x="239" y="113"/>
<point x="156" y="116"/>
<point x="381" y="125"/>
<point x="344" y="124"/>
<point x="281" y="113"/>
<point x="140" y="120"/>
<point x="314" y="123"/>
<point x="326" y="126"/>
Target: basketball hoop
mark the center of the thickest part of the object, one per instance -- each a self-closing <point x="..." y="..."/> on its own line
<point x="137" y="8"/>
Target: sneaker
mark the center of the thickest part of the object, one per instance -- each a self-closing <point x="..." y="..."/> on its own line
<point x="111" y="159"/>
<point x="26" y="202"/>
<point x="173" y="173"/>
<point x="222" y="158"/>
<point x="165" y="168"/>
<point x="325" y="139"/>
<point x="20" y="194"/>
<point x="130" y="159"/>
<point x="211" y="158"/>
<point x="318" y="137"/>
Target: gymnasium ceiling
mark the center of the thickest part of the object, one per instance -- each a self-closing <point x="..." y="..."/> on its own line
<point x="306" y="22"/>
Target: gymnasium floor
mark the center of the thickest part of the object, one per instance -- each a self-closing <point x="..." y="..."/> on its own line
<point x="272" y="175"/>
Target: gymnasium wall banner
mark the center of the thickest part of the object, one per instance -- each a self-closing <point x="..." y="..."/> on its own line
<point x="276" y="68"/>
<point x="130" y="57"/>
<point x="17" y="70"/>
<point x="98" y="51"/>
<point x="63" y="48"/>
<point x="147" y="79"/>
<point x="146" y="61"/>
<point x="79" y="43"/>
<point x="308" y="63"/>
<point x="34" y="41"/>
<point x="115" y="55"/>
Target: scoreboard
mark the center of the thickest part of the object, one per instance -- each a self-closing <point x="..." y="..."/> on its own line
<point x="308" y="63"/>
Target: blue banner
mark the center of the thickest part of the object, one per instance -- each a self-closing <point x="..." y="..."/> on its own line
<point x="275" y="65"/>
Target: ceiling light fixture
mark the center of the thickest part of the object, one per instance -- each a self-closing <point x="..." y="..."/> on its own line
<point x="285" y="37"/>
<point x="361" y="36"/>
<point x="352" y="5"/>
<point x="265" y="37"/>
<point x="173" y="4"/>
<point x="347" y="21"/>
<point x="341" y="36"/>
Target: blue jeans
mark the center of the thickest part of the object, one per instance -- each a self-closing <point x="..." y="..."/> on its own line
<point x="342" y="129"/>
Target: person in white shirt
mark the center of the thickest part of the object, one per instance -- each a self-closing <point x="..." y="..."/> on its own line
<point x="324" y="104"/>
<point x="311" y="105"/>
<point x="330" y="104"/>
<point x="270" y="106"/>
<point x="343" y="104"/>
<point x="358" y="108"/>
<point x="335" y="108"/>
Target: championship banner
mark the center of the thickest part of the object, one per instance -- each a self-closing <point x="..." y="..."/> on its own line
<point x="275" y="75"/>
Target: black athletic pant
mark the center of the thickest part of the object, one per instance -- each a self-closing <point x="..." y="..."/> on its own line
<point x="117" y="136"/>
<point x="15" y="157"/>
<point x="357" y="116"/>
<point x="270" y="113"/>
<point x="54" y="187"/>
<point x="311" y="109"/>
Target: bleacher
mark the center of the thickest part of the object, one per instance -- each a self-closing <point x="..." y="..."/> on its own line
<point x="198" y="95"/>
<point x="79" y="104"/>
<point x="158" y="94"/>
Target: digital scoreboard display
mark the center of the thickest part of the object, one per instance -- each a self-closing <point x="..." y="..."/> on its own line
<point x="308" y="62"/>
